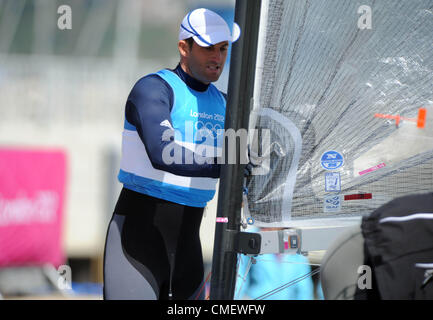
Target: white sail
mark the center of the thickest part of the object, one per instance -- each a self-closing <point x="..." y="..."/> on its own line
<point x="324" y="69"/>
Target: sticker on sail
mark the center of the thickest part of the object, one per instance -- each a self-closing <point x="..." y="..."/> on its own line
<point x="332" y="182"/>
<point x="222" y="219"/>
<point x="331" y="160"/>
<point x="359" y="196"/>
<point x="332" y="203"/>
<point x="379" y="166"/>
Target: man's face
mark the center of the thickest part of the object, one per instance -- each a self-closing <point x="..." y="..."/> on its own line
<point x="206" y="63"/>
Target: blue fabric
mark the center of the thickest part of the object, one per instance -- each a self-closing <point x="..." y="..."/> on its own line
<point x="182" y="195"/>
<point x="128" y="126"/>
<point x="272" y="271"/>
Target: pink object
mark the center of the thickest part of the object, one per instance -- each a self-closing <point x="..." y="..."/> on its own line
<point x="286" y="245"/>
<point x="222" y="219"/>
<point x="372" y="169"/>
<point x="32" y="188"/>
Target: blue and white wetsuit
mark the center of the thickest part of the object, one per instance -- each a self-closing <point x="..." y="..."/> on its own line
<point x="169" y="173"/>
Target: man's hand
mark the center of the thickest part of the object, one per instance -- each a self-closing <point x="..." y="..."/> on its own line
<point x="248" y="169"/>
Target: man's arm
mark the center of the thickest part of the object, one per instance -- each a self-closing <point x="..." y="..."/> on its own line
<point x="149" y="104"/>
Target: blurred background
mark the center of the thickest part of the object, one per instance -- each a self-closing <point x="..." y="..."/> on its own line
<point x="62" y="94"/>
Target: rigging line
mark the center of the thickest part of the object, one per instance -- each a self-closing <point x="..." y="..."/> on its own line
<point x="287" y="285"/>
<point x="311" y="274"/>
<point x="283" y="287"/>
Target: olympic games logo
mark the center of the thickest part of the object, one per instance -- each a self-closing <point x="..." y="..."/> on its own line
<point x="208" y="129"/>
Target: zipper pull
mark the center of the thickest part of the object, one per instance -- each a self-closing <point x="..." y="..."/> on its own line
<point x="170" y="290"/>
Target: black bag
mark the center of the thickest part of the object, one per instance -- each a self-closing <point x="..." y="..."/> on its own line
<point x="399" y="248"/>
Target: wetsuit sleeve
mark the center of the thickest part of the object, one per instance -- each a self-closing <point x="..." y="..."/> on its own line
<point x="148" y="107"/>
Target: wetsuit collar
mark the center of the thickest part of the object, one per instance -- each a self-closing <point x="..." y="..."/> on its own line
<point x="190" y="81"/>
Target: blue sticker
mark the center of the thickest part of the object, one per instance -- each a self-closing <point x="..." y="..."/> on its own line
<point x="331" y="160"/>
<point x="332" y="182"/>
<point x="250" y="221"/>
<point x="332" y="203"/>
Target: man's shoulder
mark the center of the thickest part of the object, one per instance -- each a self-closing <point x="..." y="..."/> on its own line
<point x="151" y="83"/>
<point x="150" y="79"/>
<point x="150" y="87"/>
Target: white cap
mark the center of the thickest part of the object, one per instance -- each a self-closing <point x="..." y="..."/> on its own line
<point x="207" y="28"/>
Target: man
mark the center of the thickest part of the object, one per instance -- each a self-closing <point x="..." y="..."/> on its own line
<point x="169" y="169"/>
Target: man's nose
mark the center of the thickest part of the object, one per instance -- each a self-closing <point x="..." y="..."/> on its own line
<point x="217" y="55"/>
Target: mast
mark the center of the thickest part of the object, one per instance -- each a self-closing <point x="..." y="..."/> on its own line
<point x="240" y="93"/>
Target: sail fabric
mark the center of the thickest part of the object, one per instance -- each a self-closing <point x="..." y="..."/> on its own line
<point x="324" y="70"/>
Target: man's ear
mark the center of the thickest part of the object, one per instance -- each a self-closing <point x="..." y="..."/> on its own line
<point x="183" y="48"/>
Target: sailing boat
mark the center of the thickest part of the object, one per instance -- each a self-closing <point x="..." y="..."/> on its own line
<point x="346" y="91"/>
